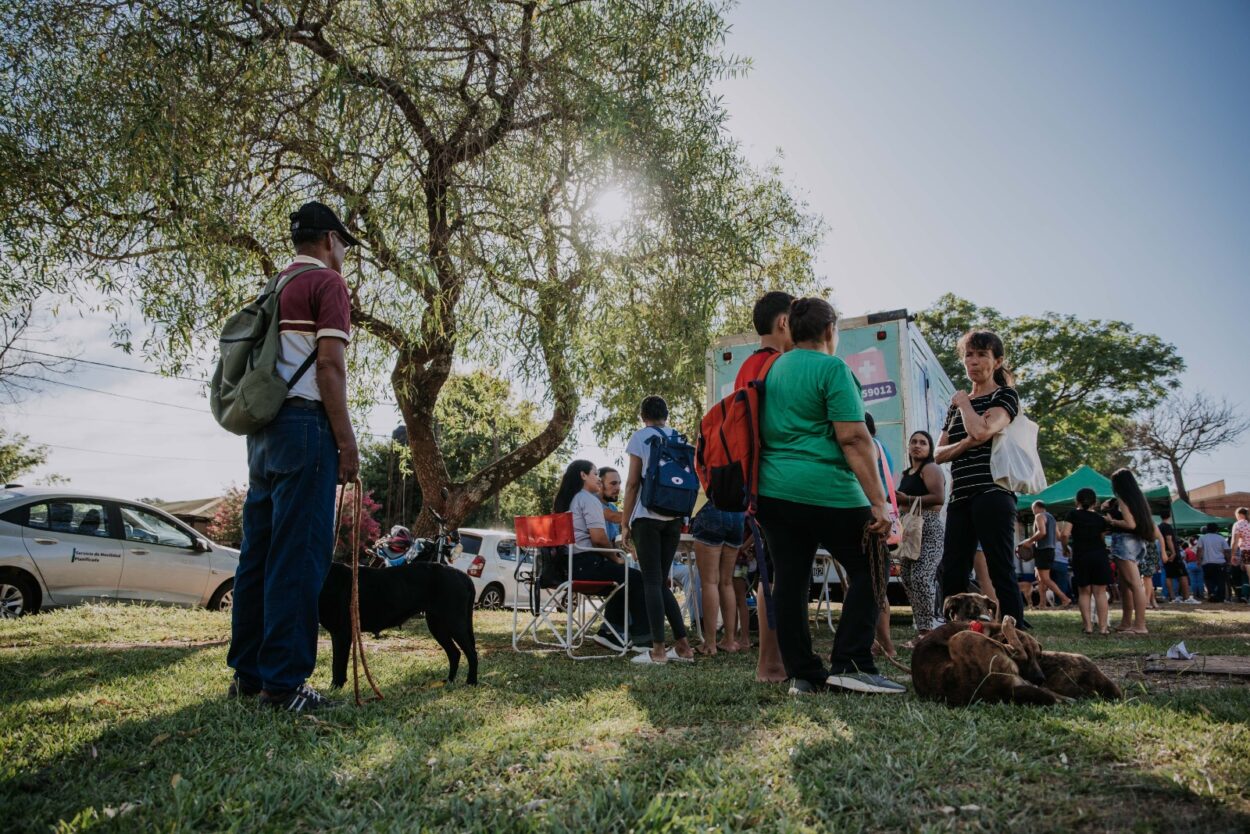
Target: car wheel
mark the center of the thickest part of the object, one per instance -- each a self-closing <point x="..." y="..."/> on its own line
<point x="223" y="600"/>
<point x="18" y="596"/>
<point x="492" y="597"/>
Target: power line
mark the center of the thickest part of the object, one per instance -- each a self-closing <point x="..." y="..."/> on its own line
<point x="109" y="365"/>
<point x="80" y="418"/>
<point x="123" y="396"/>
<point x="123" y="454"/>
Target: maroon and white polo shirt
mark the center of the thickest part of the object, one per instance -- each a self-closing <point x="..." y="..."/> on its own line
<point x="314" y="305"/>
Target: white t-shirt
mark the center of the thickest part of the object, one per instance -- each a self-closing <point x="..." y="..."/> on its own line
<point x="639" y="447"/>
<point x="587" y="512"/>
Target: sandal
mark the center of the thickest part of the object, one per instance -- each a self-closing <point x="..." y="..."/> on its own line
<point x="645" y="659"/>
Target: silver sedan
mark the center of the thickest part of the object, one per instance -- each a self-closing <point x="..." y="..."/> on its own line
<point x="60" y="547"/>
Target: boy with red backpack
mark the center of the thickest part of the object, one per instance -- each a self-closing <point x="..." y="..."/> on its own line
<point x="771" y="317"/>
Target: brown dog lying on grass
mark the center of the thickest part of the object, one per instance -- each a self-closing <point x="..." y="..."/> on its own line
<point x="1076" y="676"/>
<point x="961" y="663"/>
<point x="970" y="659"/>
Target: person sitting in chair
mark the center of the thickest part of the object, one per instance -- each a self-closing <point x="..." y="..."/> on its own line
<point x="579" y="495"/>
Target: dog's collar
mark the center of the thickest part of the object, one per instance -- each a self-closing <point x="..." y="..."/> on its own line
<point x="976" y="626"/>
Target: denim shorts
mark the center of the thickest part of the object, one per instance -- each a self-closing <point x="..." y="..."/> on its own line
<point x="715" y="527"/>
<point x="1127" y="548"/>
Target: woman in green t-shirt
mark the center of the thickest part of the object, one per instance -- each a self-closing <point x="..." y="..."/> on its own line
<point x="819" y="486"/>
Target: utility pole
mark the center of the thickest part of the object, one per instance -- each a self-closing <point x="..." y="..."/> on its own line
<point x="494" y="451"/>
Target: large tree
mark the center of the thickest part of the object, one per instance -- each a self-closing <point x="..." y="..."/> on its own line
<point x="154" y="148"/>
<point x="1184" y="426"/>
<point x="1082" y="380"/>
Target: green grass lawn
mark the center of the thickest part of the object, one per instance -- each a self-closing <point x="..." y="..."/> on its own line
<point x="113" y="717"/>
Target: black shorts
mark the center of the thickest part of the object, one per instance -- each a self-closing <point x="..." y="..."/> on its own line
<point x="1174" y="569"/>
<point x="1043" y="558"/>
<point x="1091" y="568"/>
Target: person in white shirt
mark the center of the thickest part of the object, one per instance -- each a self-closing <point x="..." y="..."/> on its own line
<point x="655" y="540"/>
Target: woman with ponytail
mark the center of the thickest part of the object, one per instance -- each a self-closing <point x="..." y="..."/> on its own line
<point x="979" y="509"/>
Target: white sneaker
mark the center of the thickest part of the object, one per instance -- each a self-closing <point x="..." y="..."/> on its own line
<point x="1193" y="601"/>
<point x="608" y="643"/>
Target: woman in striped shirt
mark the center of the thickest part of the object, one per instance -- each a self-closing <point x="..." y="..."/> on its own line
<point x="979" y="509"/>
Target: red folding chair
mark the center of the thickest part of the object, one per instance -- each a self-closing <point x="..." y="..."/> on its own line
<point x="545" y="570"/>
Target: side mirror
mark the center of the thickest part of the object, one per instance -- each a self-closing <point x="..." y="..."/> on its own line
<point x="201" y="546"/>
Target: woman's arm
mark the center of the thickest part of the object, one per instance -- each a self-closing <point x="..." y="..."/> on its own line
<point x="861" y="457"/>
<point x="632" y="481"/>
<point x="982" y="427"/>
<point x="1064" y="532"/>
<point x="1126" y="520"/>
<point x="947" y="451"/>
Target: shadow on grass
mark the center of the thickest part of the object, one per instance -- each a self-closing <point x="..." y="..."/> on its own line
<point x="39" y="674"/>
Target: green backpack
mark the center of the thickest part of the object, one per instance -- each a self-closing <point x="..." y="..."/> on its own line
<point x="247" y="392"/>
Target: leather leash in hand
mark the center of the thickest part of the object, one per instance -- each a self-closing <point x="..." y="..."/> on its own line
<point x="358" y="644"/>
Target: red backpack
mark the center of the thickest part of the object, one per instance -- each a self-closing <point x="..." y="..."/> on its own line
<point x="727" y="454"/>
<point x="727" y="460"/>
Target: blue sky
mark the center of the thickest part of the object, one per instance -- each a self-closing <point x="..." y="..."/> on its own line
<point x="1087" y="158"/>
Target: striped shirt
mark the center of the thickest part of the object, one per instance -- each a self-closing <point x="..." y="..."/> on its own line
<point x="970" y="472"/>
<point x="315" y="305"/>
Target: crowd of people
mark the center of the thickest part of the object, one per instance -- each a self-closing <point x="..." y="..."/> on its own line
<point x="825" y="479"/>
<point x="824" y="482"/>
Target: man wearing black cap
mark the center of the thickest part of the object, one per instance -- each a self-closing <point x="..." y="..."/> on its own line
<point x="294" y="464"/>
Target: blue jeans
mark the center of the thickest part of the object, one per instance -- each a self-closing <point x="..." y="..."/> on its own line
<point x="288" y="527"/>
<point x="1197" y="588"/>
<point x="1061" y="574"/>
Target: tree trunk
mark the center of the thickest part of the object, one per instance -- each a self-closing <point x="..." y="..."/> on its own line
<point x="1179" y="478"/>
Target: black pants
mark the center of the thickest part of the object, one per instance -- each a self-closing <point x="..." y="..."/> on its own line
<point x="600" y="567"/>
<point x="1213" y="576"/>
<point x="792" y="532"/>
<point x="988" y="518"/>
<point x="656" y="542"/>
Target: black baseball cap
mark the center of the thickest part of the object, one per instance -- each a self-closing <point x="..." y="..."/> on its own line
<point x="318" y="217"/>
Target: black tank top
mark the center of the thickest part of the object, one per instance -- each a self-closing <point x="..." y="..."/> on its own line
<point x="912" y="484"/>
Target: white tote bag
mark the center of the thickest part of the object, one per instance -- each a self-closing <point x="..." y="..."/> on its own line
<point x="912" y="537"/>
<point x="1014" y="463"/>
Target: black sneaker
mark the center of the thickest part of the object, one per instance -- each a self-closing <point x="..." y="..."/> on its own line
<point x="802" y="686"/>
<point x="302" y="699"/>
<point x="239" y="689"/>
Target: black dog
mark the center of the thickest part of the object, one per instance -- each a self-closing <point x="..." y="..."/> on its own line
<point x="389" y="597"/>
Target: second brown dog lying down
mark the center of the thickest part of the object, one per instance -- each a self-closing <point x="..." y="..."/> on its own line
<point x="961" y="663"/>
<point x="1076" y="676"/>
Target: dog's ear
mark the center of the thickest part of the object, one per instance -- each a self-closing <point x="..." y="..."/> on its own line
<point x="993" y="607"/>
<point x="948" y="609"/>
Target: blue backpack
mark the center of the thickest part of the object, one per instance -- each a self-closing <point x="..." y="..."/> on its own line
<point x="670" y="486"/>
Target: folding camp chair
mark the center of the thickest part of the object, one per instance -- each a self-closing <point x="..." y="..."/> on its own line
<point x="545" y="571"/>
<point x="826" y="564"/>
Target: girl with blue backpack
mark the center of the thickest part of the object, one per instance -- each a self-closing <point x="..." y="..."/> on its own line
<point x="660" y="492"/>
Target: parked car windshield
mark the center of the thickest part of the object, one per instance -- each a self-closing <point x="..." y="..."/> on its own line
<point x="470" y="544"/>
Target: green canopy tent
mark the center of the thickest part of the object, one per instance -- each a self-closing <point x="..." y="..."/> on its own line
<point x="1062" y="494"/>
<point x="1188" y="519"/>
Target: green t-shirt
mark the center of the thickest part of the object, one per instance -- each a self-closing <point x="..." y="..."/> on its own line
<point x="804" y="393"/>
